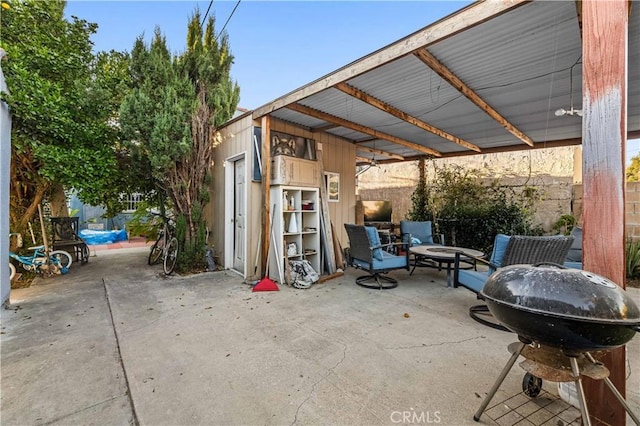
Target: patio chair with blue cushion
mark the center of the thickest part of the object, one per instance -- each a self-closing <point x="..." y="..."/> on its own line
<point x="366" y="252"/>
<point x="417" y="233"/>
<point x="509" y="250"/>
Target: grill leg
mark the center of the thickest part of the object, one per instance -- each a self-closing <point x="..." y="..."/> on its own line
<point x="498" y="382"/>
<point x="586" y="420"/>
<point x="615" y="392"/>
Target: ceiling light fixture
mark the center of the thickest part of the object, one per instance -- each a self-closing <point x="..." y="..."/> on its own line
<point x="561" y="112"/>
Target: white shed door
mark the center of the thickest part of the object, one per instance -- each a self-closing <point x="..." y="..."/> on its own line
<point x="239" y="215"/>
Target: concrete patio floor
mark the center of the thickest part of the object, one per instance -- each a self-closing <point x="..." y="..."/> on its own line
<point x="116" y="342"/>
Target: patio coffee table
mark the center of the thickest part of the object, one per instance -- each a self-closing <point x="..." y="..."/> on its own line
<point x="430" y="255"/>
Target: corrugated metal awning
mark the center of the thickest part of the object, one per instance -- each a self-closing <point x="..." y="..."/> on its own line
<point x="485" y="79"/>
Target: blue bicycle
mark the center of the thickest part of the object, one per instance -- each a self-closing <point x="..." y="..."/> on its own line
<point x="56" y="262"/>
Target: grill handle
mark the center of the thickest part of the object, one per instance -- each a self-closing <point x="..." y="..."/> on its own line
<point x="555" y="265"/>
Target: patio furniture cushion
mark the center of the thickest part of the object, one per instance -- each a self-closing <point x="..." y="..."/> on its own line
<point x="420" y="230"/>
<point x="366" y="252"/>
<point x="574" y="257"/>
<point x="374" y="239"/>
<point x="387" y="261"/>
<point x="500" y="244"/>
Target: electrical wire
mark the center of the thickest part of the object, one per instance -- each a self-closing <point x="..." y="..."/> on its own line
<point x="206" y="13"/>
<point x="228" y="19"/>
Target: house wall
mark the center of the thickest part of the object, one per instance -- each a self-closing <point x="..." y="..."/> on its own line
<point x="338" y="157"/>
<point x="5" y="166"/>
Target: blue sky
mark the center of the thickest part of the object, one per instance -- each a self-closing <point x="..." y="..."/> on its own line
<point x="278" y="46"/>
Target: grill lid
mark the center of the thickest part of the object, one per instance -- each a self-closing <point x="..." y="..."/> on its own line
<point x="570" y="293"/>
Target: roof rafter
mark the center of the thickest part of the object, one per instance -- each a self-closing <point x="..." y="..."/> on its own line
<point x="389" y="109"/>
<point x="360" y="128"/>
<point x="379" y="151"/>
<point x="429" y="60"/>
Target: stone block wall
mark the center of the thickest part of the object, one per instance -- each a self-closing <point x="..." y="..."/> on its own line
<point x="632" y="209"/>
<point x="552" y="171"/>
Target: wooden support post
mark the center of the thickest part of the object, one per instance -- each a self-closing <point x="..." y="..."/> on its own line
<point x="266" y="189"/>
<point x="604" y="129"/>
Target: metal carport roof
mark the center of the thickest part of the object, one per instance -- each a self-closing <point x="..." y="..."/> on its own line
<point x="487" y="78"/>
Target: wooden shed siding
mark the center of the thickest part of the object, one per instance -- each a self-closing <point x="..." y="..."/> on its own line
<point x="338" y="155"/>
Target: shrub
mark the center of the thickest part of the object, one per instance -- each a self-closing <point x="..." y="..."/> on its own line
<point x="469" y="213"/>
<point x="632" y="253"/>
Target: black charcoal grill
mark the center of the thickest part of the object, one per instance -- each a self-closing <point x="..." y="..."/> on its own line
<point x="560" y="315"/>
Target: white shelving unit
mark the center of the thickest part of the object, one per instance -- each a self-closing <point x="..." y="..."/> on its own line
<point x="296" y="226"/>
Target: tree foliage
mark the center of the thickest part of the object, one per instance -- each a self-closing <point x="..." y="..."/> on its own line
<point x="420" y="210"/>
<point x="170" y="119"/>
<point x="61" y="103"/>
<point x="470" y="209"/>
<point x="633" y="171"/>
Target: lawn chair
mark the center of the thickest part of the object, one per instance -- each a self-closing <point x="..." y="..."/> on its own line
<point x="65" y="237"/>
<point x="509" y="250"/>
<point x="366" y="252"/>
<point x="416" y="233"/>
<point x="419" y="233"/>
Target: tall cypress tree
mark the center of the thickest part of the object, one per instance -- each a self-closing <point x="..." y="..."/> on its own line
<point x="420" y="198"/>
<point x="171" y="118"/>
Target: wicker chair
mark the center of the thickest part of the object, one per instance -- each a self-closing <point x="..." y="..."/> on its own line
<point x="366" y="252"/>
<point x="509" y="250"/>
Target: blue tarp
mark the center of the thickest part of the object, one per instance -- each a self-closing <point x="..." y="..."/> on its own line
<point x="92" y="237"/>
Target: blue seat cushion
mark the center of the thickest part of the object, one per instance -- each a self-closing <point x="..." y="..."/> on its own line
<point x="499" y="248"/>
<point x="473" y="280"/>
<point x="572" y="265"/>
<point x="575" y="252"/>
<point x="388" y="261"/>
<point x="420" y="230"/>
<point x="374" y="240"/>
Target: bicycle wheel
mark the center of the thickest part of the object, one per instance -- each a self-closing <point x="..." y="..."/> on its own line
<point x="156" y="250"/>
<point x="62" y="259"/>
<point x="85" y="254"/>
<point x="171" y="257"/>
<point x="12" y="271"/>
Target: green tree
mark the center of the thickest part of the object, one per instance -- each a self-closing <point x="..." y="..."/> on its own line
<point x="633" y="171"/>
<point x="420" y="210"/>
<point x="61" y="107"/>
<point x="170" y="119"/>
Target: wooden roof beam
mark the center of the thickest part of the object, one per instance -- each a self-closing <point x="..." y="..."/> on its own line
<point x="383" y="106"/>
<point x="425" y="56"/>
<point x="379" y="152"/>
<point x="360" y="128"/>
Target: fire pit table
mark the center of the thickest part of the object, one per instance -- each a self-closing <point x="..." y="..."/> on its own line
<point x="435" y="256"/>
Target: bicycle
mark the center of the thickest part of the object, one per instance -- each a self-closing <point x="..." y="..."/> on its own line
<point x="56" y="262"/>
<point x="166" y="246"/>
